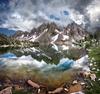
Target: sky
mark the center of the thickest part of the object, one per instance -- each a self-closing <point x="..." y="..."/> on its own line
<point x="27" y="14"/>
<point x="7" y="32"/>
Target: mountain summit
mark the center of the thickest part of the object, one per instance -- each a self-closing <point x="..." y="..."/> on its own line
<point x="51" y="33"/>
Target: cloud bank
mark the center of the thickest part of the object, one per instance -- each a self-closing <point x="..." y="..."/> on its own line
<point x="26" y="14"/>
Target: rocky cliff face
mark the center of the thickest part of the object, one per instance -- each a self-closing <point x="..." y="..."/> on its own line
<point x="75" y="31"/>
<point x="35" y="33"/>
<point x="51" y="33"/>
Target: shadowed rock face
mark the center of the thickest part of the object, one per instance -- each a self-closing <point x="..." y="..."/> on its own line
<point x="44" y="37"/>
<point x="75" y="31"/>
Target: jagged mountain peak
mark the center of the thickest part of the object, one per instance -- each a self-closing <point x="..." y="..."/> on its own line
<point x="72" y="30"/>
<point x="44" y="26"/>
<point x="75" y="27"/>
<point x="75" y="30"/>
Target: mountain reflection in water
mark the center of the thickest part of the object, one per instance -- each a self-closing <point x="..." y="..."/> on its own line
<point x="41" y="64"/>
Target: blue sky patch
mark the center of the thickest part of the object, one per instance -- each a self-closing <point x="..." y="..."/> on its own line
<point x="54" y="17"/>
<point x="57" y="18"/>
<point x="66" y="12"/>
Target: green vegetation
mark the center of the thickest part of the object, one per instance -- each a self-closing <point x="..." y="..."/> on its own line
<point x="94" y="55"/>
<point x="95" y="89"/>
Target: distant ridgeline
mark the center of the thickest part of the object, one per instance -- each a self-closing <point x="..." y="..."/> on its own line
<point x="3" y="39"/>
<point x="7" y="32"/>
<point x="6" y="41"/>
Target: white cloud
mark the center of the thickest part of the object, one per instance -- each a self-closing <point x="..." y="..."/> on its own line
<point x="17" y="22"/>
<point x="26" y="14"/>
<point x="77" y="17"/>
<point x="93" y="12"/>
